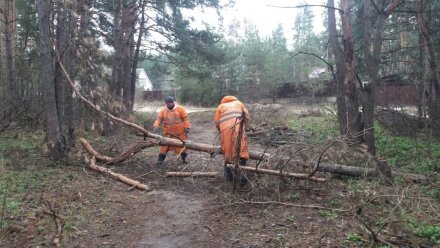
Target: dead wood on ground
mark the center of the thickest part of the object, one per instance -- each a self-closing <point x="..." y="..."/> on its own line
<point x="122" y="157"/>
<point x="279" y="173"/>
<point x="164" y="141"/>
<point x="58" y="225"/>
<point x="191" y="174"/>
<point x="118" y="176"/>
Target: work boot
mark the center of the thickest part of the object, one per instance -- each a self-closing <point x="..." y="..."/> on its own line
<point x="160" y="159"/>
<point x="183" y="156"/>
<point x="229" y="176"/>
<point x="242" y="162"/>
<point x="243" y="180"/>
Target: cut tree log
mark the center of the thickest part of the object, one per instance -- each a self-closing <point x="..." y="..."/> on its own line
<point x="191" y="174"/>
<point x="118" y="176"/>
<point x="278" y="173"/>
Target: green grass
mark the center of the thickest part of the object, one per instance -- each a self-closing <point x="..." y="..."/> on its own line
<point x="429" y="232"/>
<point x="294" y="196"/>
<point x="291" y="218"/>
<point x="335" y="202"/>
<point x="18" y="150"/>
<point x="21" y="146"/>
<point x="418" y="155"/>
<point x="353" y="237"/>
<point x="328" y="214"/>
<point x="315" y="128"/>
<point x="11" y="185"/>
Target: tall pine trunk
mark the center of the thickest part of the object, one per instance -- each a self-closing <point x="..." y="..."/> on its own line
<point x="69" y="61"/>
<point x="339" y="76"/>
<point x="136" y="53"/>
<point x="117" y="70"/>
<point x="3" y="85"/>
<point x="352" y="106"/>
<point x="61" y="46"/>
<point x="65" y="44"/>
<point x="10" y="30"/>
<point x="47" y="81"/>
<point x="434" y="86"/>
<point x="128" y="14"/>
<point x="372" y="51"/>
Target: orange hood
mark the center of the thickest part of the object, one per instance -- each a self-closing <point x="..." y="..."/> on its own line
<point x="229" y="99"/>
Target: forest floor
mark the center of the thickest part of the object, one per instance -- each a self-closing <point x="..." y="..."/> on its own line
<point x="95" y="210"/>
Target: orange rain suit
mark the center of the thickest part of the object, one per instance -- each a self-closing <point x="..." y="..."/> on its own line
<point x="227" y="121"/>
<point x="174" y="122"/>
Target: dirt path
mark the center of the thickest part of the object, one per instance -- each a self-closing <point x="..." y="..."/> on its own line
<point x="174" y="218"/>
<point x="184" y="212"/>
<point x="174" y="222"/>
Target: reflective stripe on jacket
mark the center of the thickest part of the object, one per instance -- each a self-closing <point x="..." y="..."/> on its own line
<point x="173" y="121"/>
<point x="227" y="120"/>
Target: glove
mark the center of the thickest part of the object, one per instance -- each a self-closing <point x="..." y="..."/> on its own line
<point x="187" y="130"/>
<point x="156" y="130"/>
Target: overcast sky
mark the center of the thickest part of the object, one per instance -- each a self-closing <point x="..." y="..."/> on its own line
<point x="262" y="15"/>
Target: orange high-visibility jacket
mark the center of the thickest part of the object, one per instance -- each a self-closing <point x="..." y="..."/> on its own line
<point x="173" y="123"/>
<point x="227" y="121"/>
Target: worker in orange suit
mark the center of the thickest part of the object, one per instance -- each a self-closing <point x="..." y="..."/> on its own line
<point x="230" y="113"/>
<point x="175" y="124"/>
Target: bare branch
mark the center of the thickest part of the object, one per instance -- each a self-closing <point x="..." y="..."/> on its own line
<point x="389" y="9"/>
<point x="316" y="56"/>
<point x="305" y="6"/>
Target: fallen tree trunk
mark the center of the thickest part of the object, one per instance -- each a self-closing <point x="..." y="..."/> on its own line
<point x="143" y="145"/>
<point x="191" y="174"/>
<point x="278" y="173"/>
<point x="323" y="167"/>
<point x="338" y="169"/>
<point x="123" y="156"/>
<point x="119" y="177"/>
<point x="197" y="146"/>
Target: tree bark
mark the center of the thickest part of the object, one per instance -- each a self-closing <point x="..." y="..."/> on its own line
<point x="434" y="87"/>
<point x="352" y="105"/>
<point x="71" y="116"/>
<point x="136" y="54"/>
<point x="128" y="27"/>
<point x="3" y="84"/>
<point x="372" y="51"/>
<point x="339" y="78"/>
<point x="47" y="81"/>
<point x="62" y="45"/>
<point x="116" y="84"/>
<point x="9" y="31"/>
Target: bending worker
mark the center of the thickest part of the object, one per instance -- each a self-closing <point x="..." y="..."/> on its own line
<point x="175" y="124"/>
<point x="230" y="113"/>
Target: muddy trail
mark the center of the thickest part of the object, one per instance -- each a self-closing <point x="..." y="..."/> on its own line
<point x="99" y="211"/>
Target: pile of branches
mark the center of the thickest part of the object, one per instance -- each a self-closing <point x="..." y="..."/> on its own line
<point x="269" y="125"/>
